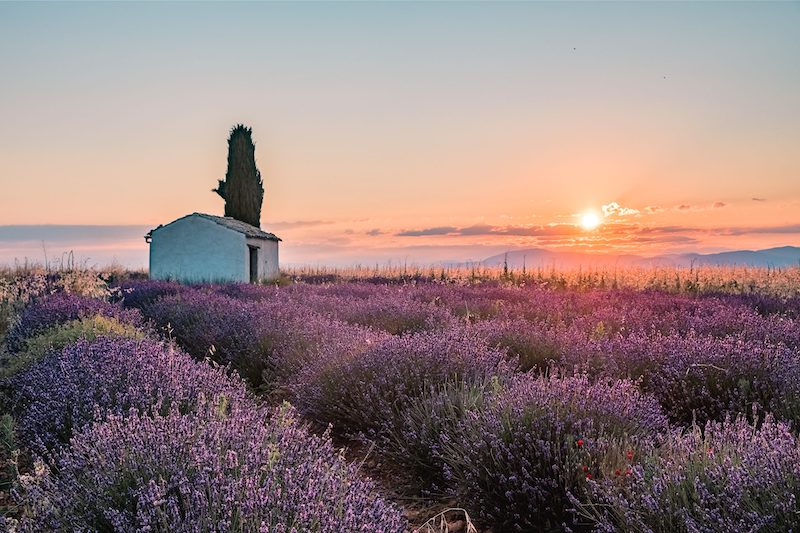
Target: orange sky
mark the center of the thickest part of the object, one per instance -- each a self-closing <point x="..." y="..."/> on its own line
<point x="423" y="131"/>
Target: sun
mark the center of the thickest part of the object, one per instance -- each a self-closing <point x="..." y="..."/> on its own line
<point x="590" y="221"/>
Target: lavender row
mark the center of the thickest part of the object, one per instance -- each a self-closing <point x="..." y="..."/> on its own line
<point x="701" y="357"/>
<point x="132" y="434"/>
<point x="266" y="342"/>
<point x="441" y="399"/>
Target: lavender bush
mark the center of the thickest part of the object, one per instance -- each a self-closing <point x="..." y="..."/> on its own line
<point x="265" y="341"/>
<point x="249" y="291"/>
<point x="392" y="311"/>
<point x="67" y="390"/>
<point x="210" y="325"/>
<point x="140" y="293"/>
<point x="531" y="346"/>
<point x="425" y="423"/>
<point x="731" y="476"/>
<point x="517" y="460"/>
<point x="364" y="396"/>
<point x="57" y="337"/>
<point x="59" y="308"/>
<point x="704" y="378"/>
<point x="204" y="472"/>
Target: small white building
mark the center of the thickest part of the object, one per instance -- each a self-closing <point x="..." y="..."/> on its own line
<point x="208" y="248"/>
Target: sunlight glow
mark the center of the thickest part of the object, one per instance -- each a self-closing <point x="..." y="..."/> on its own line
<point x="590" y="221"/>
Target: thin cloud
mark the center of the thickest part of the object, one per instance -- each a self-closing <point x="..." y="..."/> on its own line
<point x="785" y="229"/>
<point x="477" y="230"/>
<point x="650" y="209"/>
<point x="427" y="232"/>
<point x="374" y="232"/>
<point x="297" y="224"/>
<point x="718" y="205"/>
<point x="519" y="231"/>
<point x="668" y="229"/>
<point x="757" y="199"/>
<point x="487" y="230"/>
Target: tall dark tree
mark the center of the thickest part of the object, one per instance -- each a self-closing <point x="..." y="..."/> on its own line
<point x="242" y="188"/>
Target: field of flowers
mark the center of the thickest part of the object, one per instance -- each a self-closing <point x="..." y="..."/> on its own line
<point x="376" y="405"/>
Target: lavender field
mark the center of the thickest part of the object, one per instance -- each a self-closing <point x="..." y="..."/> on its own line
<point x="646" y="401"/>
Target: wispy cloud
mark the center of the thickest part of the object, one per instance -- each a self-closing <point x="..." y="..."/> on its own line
<point x="757" y="199"/>
<point x="614" y="209"/>
<point x="374" y="232"/>
<point x="695" y="208"/>
<point x="484" y="229"/>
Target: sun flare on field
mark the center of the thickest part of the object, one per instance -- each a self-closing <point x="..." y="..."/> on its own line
<point x="589" y="221"/>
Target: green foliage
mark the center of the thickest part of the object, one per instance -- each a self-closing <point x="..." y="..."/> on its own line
<point x="6" y="314"/>
<point x="242" y="189"/>
<point x="12" y="461"/>
<point x="8" y="452"/>
<point x="57" y="337"/>
<point x="416" y="443"/>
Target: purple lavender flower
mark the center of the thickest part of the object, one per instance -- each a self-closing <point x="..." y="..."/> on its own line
<point x="140" y="293"/>
<point x="59" y="308"/>
<point x="66" y="390"/>
<point x="255" y="471"/>
<point x="729" y="476"/>
<point x="364" y="395"/>
<point x="516" y="461"/>
<point x="266" y="341"/>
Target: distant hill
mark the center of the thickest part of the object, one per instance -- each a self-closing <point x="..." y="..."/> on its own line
<point x="771" y="257"/>
<point x="539" y="257"/>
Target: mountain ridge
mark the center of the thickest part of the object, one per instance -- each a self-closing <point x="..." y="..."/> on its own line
<point x="777" y="257"/>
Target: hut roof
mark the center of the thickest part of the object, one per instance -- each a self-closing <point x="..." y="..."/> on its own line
<point x="230" y="223"/>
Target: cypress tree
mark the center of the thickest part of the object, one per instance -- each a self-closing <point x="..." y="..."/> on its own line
<point x="242" y="189"/>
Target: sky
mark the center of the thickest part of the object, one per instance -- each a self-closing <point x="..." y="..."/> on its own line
<point x="403" y="132"/>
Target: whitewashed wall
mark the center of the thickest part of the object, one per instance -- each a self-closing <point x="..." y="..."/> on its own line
<point x="268" y="258"/>
<point x="195" y="249"/>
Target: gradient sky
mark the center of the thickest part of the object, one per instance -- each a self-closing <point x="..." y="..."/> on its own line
<point x="404" y="131"/>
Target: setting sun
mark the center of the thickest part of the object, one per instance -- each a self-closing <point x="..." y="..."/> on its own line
<point x="590" y="221"/>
